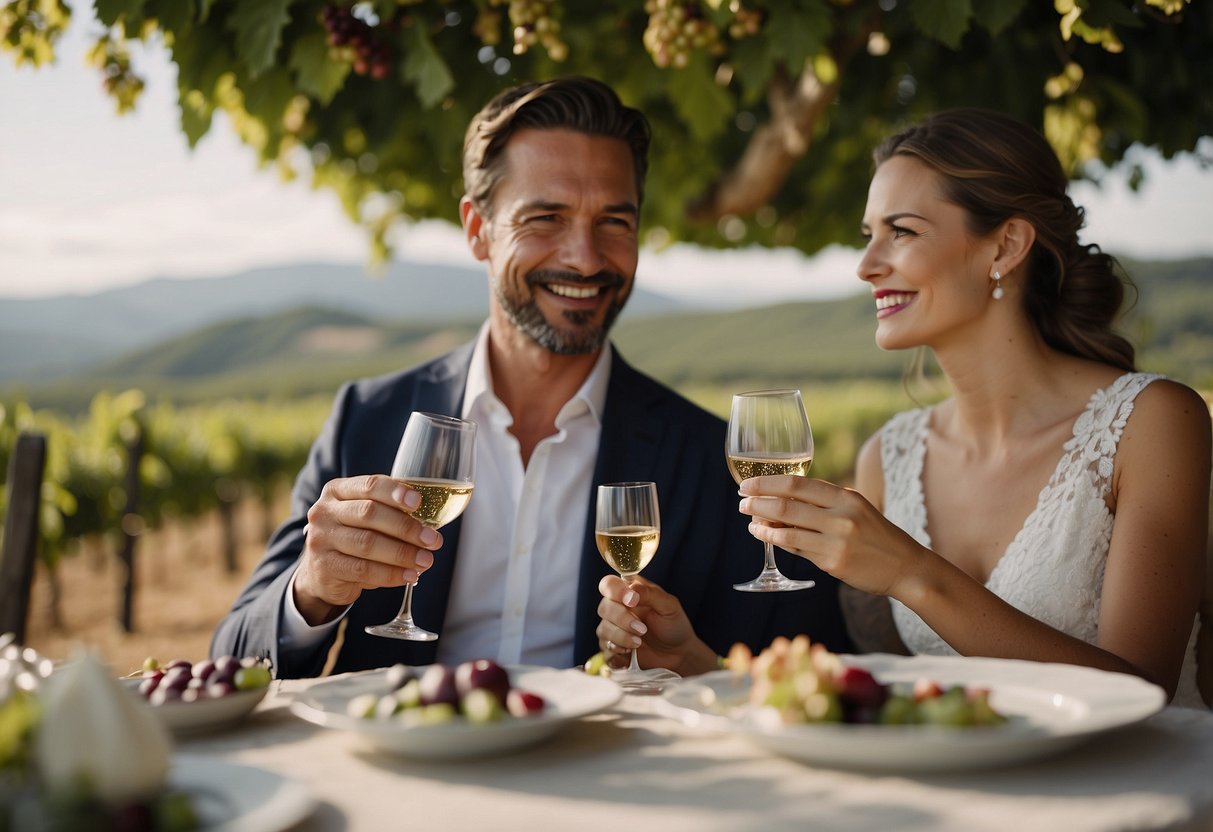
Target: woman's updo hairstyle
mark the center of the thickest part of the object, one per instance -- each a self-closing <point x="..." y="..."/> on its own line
<point x="995" y="168"/>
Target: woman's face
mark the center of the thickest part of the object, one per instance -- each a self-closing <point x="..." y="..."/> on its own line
<point x="929" y="275"/>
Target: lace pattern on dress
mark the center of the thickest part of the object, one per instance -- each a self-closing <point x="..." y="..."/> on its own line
<point x="1053" y="569"/>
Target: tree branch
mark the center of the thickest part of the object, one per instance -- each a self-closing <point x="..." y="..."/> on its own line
<point x="772" y="150"/>
<point x="796" y="107"/>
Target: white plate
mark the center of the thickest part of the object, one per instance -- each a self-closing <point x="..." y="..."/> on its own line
<point x="237" y="798"/>
<point x="203" y="715"/>
<point x="569" y="694"/>
<point x="1051" y="707"/>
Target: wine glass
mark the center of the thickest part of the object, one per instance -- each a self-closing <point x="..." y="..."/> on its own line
<point x="769" y="433"/>
<point x="436" y="458"/>
<point x="627" y="529"/>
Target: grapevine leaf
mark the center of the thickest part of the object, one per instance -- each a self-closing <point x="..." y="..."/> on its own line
<point x="268" y="96"/>
<point x="316" y="74"/>
<point x="200" y="65"/>
<point x="196" y="115"/>
<point x="176" y="16"/>
<point x="945" y="20"/>
<point x="385" y="8"/>
<point x="703" y="104"/>
<point x="996" y="15"/>
<point x="108" y="11"/>
<point x="424" y="68"/>
<point x="1100" y="13"/>
<point x="753" y="68"/>
<point x="198" y="73"/>
<point x="793" y="34"/>
<point x="258" y="28"/>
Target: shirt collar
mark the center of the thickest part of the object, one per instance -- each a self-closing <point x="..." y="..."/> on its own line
<point x="590" y="396"/>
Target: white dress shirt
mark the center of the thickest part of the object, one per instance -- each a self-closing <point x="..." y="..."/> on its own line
<point x="514" y="591"/>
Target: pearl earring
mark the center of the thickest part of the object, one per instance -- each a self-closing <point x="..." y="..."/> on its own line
<point x="998" y="292"/>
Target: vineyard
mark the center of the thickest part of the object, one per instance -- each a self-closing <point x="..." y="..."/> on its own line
<point x="127" y="469"/>
<point x="183" y="584"/>
<point x="207" y="489"/>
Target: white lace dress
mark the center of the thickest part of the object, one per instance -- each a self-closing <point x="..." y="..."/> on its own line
<point x="1053" y="569"/>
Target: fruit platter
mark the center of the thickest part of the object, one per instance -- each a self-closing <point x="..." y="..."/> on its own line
<point x="190" y="697"/>
<point x="888" y="713"/>
<point x="80" y="751"/>
<point x="436" y="712"/>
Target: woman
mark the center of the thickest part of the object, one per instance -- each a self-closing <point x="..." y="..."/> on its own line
<point x="1054" y="507"/>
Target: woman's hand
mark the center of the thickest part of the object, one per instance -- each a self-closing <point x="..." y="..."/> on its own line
<point x="640" y="614"/>
<point x="834" y="527"/>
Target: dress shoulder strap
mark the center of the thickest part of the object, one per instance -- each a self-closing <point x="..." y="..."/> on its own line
<point x="1097" y="431"/>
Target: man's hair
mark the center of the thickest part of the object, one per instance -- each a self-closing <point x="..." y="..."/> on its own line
<point x="575" y="103"/>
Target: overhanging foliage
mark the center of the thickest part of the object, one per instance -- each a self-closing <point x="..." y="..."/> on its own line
<point x="764" y="113"/>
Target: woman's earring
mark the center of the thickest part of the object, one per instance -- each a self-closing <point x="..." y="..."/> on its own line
<point x="998" y="292"/>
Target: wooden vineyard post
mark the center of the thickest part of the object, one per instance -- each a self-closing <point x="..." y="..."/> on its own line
<point x="132" y="525"/>
<point x="20" y="546"/>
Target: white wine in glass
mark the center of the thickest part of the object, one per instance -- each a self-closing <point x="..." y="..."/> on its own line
<point x="436" y="458"/>
<point x="628" y="549"/>
<point x="627" y="529"/>
<point x="769" y="434"/>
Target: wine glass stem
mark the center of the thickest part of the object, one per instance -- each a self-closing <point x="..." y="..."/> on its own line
<point x="634" y="664"/>
<point x="768" y="555"/>
<point x="406" y="606"/>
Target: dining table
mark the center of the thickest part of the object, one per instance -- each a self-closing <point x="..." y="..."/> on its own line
<point x="632" y="766"/>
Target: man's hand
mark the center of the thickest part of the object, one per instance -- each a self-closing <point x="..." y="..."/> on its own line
<point x="360" y="535"/>
<point x="639" y="613"/>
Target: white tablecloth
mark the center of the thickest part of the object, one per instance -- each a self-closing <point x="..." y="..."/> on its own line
<point x="631" y="768"/>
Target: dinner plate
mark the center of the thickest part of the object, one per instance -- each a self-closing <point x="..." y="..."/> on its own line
<point x="239" y="798"/>
<point x="203" y="715"/>
<point x="1051" y="707"/>
<point x="569" y="694"/>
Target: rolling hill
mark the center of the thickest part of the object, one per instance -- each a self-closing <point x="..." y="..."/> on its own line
<point x="312" y="349"/>
<point x="42" y="339"/>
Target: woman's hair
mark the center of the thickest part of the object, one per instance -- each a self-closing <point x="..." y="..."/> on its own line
<point x="995" y="168"/>
<point x="584" y="105"/>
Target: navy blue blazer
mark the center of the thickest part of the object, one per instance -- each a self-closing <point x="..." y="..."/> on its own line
<point x="649" y="433"/>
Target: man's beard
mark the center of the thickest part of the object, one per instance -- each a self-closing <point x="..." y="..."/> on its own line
<point x="585" y="337"/>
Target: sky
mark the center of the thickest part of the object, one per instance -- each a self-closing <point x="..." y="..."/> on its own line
<point x="91" y="200"/>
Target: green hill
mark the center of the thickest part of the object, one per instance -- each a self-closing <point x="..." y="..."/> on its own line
<point x="1172" y="321"/>
<point x="313" y="349"/>
<point x="781" y="344"/>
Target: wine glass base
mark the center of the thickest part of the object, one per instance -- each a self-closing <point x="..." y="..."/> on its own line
<point x="402" y="630"/>
<point x="643" y="682"/>
<point x="773" y="583"/>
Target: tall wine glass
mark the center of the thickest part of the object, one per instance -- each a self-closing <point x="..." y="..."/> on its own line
<point x="769" y="433"/>
<point x="436" y="458"/>
<point x="627" y="529"/>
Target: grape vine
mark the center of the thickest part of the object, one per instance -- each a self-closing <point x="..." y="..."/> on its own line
<point x="377" y="93"/>
<point x="195" y="457"/>
<point x="353" y="40"/>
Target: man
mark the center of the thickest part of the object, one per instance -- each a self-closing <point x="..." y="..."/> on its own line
<point x="554" y="178"/>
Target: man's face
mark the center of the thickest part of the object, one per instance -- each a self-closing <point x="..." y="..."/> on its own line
<point x="561" y="242"/>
